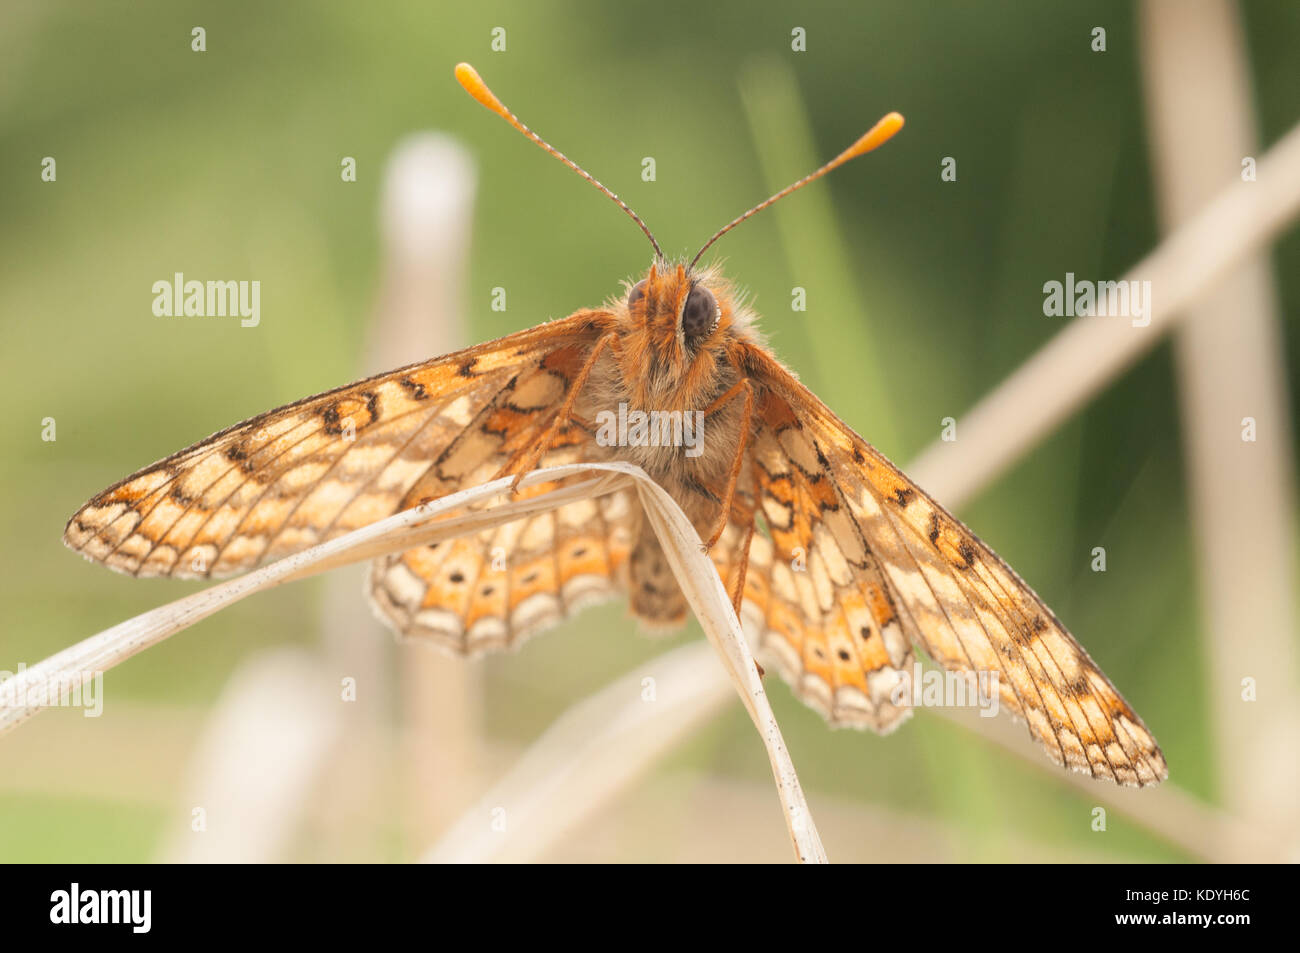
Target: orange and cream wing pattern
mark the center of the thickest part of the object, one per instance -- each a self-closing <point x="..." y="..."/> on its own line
<point x="494" y="590"/>
<point x="300" y="475"/>
<point x="918" y="567"/>
<point x="817" y="607"/>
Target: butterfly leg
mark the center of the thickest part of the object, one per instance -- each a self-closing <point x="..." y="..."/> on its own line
<point x="743" y="387"/>
<point x="742" y="557"/>
<point x="742" y="561"/>
<point x="527" y="460"/>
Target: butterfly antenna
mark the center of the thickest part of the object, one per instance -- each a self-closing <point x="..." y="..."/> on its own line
<point x="877" y="135"/>
<point x="468" y="77"/>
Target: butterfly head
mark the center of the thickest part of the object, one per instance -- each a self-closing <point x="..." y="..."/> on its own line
<point x="679" y="305"/>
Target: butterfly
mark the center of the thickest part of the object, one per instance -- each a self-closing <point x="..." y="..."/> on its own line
<point x="839" y="566"/>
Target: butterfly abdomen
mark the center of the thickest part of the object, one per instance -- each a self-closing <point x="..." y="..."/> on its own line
<point x="653" y="593"/>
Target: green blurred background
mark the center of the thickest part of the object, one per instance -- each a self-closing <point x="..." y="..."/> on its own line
<point x="923" y="295"/>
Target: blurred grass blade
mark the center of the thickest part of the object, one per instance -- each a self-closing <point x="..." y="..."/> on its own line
<point x="1091" y="352"/>
<point x="586" y="757"/>
<point x="1229" y="356"/>
<point x="850" y="369"/>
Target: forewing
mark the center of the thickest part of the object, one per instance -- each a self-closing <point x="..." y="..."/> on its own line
<point x="952" y="595"/>
<point x="299" y="475"/>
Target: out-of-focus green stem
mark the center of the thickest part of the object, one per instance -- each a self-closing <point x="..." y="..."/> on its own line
<point x="850" y="370"/>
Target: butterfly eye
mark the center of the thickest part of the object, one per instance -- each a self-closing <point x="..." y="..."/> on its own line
<point x="700" y="316"/>
<point x="636" y="294"/>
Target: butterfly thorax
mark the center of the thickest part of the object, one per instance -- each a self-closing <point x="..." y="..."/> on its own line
<point x="653" y="399"/>
<point x="672" y="356"/>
